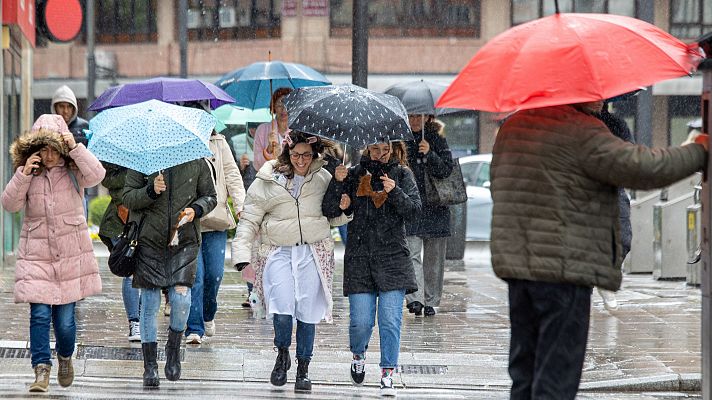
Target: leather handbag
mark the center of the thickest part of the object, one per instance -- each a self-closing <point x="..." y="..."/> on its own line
<point x="124" y="255"/>
<point x="447" y="191"/>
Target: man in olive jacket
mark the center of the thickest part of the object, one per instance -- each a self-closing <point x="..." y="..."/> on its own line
<point x="556" y="233"/>
<point x="184" y="190"/>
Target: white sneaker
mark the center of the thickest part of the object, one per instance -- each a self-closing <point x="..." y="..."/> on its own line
<point x="194" y="338"/>
<point x="209" y="328"/>
<point x="387" y="389"/>
<point x="609" y="299"/>
<point x="134" y="331"/>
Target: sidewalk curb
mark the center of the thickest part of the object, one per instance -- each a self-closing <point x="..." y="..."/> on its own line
<point x="691" y="382"/>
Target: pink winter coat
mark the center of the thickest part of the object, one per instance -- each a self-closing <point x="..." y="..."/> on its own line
<point x="55" y="257"/>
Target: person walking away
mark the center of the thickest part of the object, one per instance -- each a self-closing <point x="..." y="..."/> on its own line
<point x="55" y="265"/>
<point x="619" y="128"/>
<point x="270" y="134"/>
<point x="428" y="155"/>
<point x="111" y="226"/>
<point x="249" y="174"/>
<point x="183" y="192"/>
<point x="289" y="207"/>
<point x="556" y="232"/>
<point x="378" y="271"/>
<point x="213" y="226"/>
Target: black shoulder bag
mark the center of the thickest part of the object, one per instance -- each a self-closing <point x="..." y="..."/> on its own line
<point x="447" y="191"/>
<point x="124" y="255"/>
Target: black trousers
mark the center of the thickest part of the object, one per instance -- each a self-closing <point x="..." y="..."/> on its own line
<point x="549" y="334"/>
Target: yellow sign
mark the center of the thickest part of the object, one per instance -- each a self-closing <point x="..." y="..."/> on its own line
<point x="5" y="37"/>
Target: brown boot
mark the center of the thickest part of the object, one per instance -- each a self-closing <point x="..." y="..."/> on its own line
<point x="41" y="383"/>
<point x="65" y="374"/>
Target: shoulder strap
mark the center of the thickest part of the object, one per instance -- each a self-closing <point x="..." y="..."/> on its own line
<point x="74" y="180"/>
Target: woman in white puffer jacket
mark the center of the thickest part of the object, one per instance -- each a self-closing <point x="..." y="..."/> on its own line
<point x="288" y="206"/>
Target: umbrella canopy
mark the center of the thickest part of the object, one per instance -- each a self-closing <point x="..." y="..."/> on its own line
<point x="166" y="89"/>
<point x="250" y="86"/>
<point x="348" y="114"/>
<point x="151" y="136"/>
<point x="566" y="59"/>
<point x="233" y="115"/>
<point x="419" y="97"/>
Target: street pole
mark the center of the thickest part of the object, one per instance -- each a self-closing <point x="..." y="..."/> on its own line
<point x="706" y="246"/>
<point x="183" y="36"/>
<point x="644" y="112"/>
<point x="359" y="44"/>
<point x="91" y="60"/>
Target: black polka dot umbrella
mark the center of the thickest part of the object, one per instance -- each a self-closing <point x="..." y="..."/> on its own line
<point x="348" y="114"/>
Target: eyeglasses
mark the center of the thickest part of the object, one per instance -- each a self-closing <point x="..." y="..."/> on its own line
<point x="305" y="156"/>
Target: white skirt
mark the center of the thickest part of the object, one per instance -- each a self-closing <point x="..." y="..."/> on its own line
<point x="292" y="286"/>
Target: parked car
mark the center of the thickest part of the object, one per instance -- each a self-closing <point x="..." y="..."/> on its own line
<point x="476" y="174"/>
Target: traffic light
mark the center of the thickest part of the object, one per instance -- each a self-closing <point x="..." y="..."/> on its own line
<point x="59" y="20"/>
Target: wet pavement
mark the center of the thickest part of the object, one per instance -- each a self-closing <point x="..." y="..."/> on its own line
<point x="649" y="348"/>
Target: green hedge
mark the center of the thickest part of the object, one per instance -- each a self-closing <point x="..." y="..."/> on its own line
<point x="97" y="207"/>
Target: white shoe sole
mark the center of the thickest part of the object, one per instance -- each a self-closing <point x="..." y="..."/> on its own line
<point x="136" y="338"/>
<point x="388" y="392"/>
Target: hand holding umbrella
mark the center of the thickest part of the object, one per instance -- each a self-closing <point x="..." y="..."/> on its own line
<point x="159" y="184"/>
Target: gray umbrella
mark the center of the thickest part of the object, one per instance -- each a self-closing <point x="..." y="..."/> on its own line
<point x="419" y="97"/>
<point x="348" y="114"/>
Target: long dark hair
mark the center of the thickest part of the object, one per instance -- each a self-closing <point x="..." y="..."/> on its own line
<point x="284" y="162"/>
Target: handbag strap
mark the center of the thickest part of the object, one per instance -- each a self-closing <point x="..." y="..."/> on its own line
<point x="133" y="235"/>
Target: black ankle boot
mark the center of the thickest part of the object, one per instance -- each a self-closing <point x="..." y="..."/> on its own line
<point x="150" y="365"/>
<point x="172" y="368"/>
<point x="302" y="383"/>
<point x="281" y="366"/>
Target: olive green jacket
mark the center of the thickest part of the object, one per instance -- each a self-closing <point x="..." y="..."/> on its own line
<point x="188" y="185"/>
<point x="555" y="173"/>
<point x="111" y="225"/>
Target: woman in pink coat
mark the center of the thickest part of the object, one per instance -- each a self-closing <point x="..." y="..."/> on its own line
<point x="55" y="265"/>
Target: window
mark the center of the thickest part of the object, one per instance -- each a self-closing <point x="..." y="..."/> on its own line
<point x="125" y="21"/>
<point x="527" y="10"/>
<point x="234" y="19"/>
<point x="410" y="18"/>
<point x="690" y="18"/>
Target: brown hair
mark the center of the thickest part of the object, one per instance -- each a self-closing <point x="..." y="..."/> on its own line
<point x="284" y="162"/>
<point x="398" y="152"/>
<point x="278" y="94"/>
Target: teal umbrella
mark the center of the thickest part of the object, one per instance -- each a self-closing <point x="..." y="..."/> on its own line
<point x="233" y="115"/>
<point x="151" y="136"/>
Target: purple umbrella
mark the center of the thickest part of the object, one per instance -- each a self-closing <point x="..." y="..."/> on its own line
<point x="170" y="90"/>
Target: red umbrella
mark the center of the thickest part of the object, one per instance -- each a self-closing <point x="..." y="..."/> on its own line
<point x="568" y="58"/>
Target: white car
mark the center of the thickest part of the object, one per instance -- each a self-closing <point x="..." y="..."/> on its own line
<point x="476" y="174"/>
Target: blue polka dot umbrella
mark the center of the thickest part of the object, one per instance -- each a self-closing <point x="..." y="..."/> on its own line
<point x="150" y="136"/>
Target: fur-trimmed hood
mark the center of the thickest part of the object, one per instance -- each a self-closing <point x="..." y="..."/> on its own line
<point x="27" y="144"/>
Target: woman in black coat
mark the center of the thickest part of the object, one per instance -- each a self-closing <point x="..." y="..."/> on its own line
<point x="428" y="155"/>
<point x="378" y="271"/>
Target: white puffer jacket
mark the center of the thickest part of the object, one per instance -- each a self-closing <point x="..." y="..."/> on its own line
<point x="279" y="218"/>
<point x="227" y="180"/>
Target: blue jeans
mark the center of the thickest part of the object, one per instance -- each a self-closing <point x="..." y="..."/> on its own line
<point x="343" y="232"/>
<point x="151" y="302"/>
<point x="283" y="335"/>
<point x="129" y="294"/>
<point x="65" y="331"/>
<point x="208" y="276"/>
<point x="362" y="308"/>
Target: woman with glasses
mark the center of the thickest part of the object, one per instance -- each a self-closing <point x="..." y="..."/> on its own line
<point x="287" y="205"/>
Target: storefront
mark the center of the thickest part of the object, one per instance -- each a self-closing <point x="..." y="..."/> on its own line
<point x="18" y="41"/>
